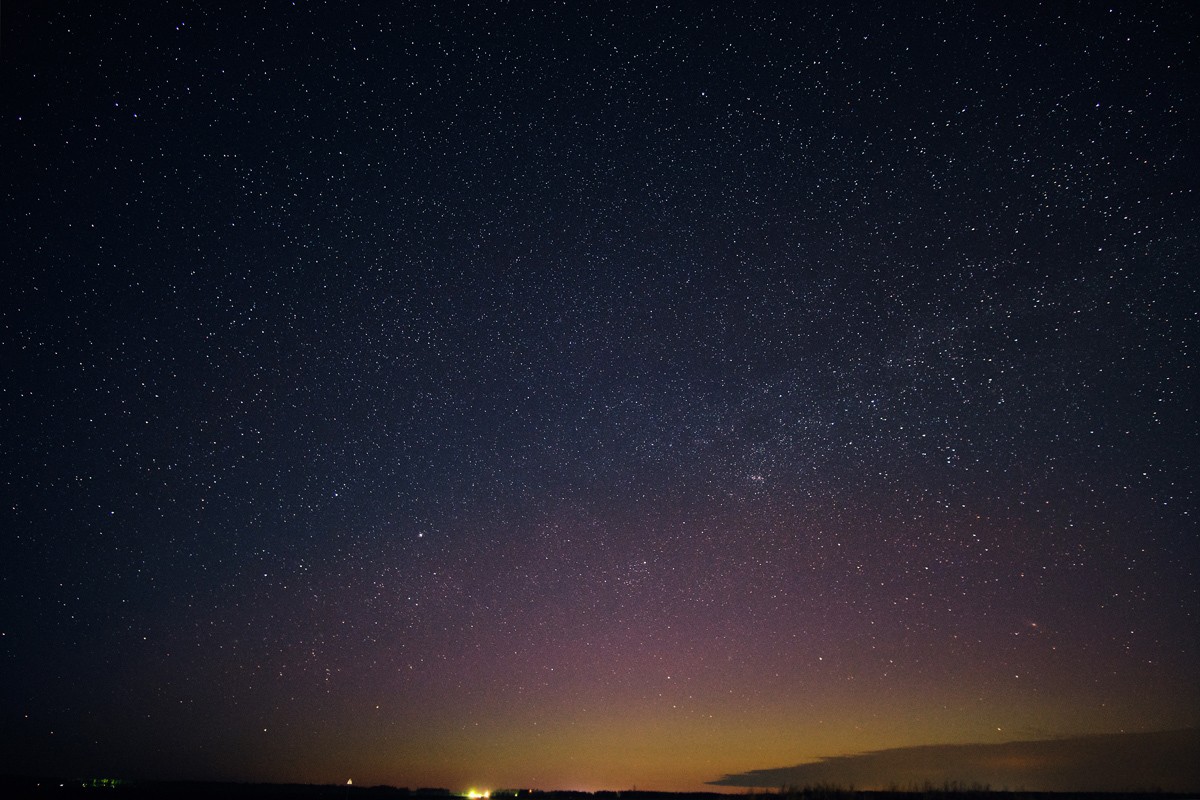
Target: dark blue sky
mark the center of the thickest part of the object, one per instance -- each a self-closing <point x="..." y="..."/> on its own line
<point x="579" y="395"/>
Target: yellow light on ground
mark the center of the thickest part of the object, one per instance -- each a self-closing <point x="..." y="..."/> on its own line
<point x="476" y="794"/>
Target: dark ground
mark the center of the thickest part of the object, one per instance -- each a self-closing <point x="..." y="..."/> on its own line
<point x="42" y="786"/>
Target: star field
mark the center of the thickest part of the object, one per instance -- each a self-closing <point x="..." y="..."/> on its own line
<point x="582" y="396"/>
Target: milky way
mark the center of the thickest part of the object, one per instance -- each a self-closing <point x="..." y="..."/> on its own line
<point x="587" y="396"/>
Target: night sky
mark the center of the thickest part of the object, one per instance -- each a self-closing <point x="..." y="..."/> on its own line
<point x="580" y="395"/>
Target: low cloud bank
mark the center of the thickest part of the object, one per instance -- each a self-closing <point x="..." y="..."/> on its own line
<point x="1166" y="760"/>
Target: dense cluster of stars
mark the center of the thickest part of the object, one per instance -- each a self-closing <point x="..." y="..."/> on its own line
<point x="577" y="396"/>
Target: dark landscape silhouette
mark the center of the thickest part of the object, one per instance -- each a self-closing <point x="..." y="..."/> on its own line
<point x="1129" y="765"/>
<point x="1159" y="761"/>
<point x="42" y="786"/>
